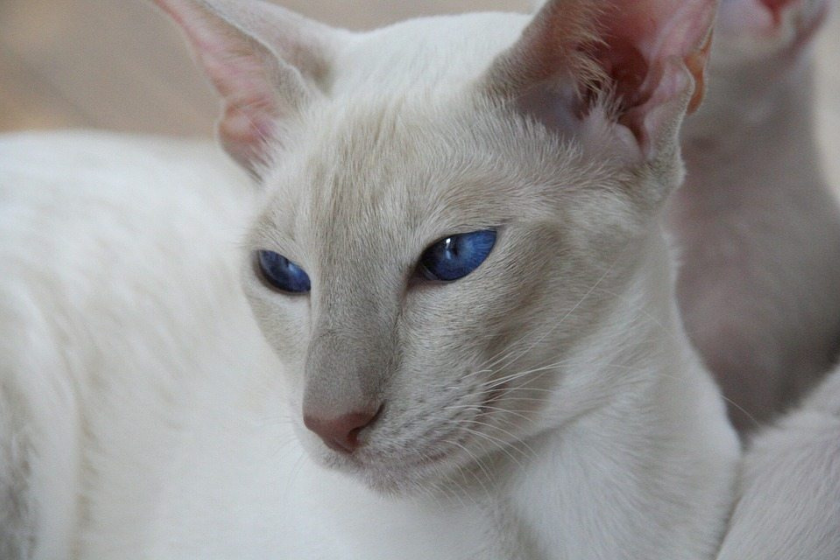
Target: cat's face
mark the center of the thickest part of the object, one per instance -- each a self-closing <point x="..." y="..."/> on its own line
<point x="449" y="251"/>
<point x="459" y="368"/>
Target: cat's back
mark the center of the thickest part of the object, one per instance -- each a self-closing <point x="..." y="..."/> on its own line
<point x="96" y="228"/>
<point x="110" y="246"/>
<point x="90" y="216"/>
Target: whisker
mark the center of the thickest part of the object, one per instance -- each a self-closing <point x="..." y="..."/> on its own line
<point x="496" y="443"/>
<point x="503" y="445"/>
<point x="488" y="407"/>
<point x="569" y="312"/>
<point x="478" y="463"/>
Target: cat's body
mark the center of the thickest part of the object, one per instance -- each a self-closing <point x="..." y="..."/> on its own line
<point x="88" y="248"/>
<point x="544" y="405"/>
<point x="757" y="226"/>
<point x="789" y="493"/>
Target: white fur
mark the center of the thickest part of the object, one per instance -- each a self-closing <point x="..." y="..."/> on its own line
<point x="789" y="494"/>
<point x="89" y="223"/>
<point x="608" y="441"/>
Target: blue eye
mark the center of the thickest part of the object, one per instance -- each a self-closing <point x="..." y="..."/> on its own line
<point x="456" y="256"/>
<point x="283" y="274"/>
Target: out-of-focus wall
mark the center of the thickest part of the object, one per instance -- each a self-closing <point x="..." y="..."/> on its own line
<point x="117" y="64"/>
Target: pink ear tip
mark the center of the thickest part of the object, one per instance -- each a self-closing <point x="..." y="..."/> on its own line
<point x="784" y="25"/>
<point x="810" y="10"/>
<point x="776" y="7"/>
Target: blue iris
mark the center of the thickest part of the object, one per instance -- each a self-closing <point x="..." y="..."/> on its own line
<point x="456" y="256"/>
<point x="283" y="274"/>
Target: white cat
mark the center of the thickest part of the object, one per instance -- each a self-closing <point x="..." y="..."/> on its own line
<point x="457" y="263"/>
<point x="103" y="284"/>
<point x="788" y="503"/>
<point x="757" y="226"/>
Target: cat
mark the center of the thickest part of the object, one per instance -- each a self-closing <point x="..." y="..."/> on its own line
<point x="466" y="343"/>
<point x="759" y="275"/>
<point x="93" y="291"/>
<point x="788" y="503"/>
<point x="755" y="222"/>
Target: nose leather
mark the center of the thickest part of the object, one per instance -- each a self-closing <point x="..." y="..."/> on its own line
<point x="341" y="433"/>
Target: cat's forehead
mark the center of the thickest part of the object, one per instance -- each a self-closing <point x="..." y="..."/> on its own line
<point x="434" y="51"/>
<point x="368" y="160"/>
<point x="424" y="161"/>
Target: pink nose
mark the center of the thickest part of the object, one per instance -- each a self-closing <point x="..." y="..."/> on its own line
<point x="342" y="433"/>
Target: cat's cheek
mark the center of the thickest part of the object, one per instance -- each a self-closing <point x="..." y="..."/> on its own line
<point x="284" y="322"/>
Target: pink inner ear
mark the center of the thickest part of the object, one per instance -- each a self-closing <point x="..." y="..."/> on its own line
<point x="628" y="69"/>
<point x="650" y="52"/>
<point x="243" y="133"/>
<point x="752" y="15"/>
<point x="257" y="86"/>
<point x="251" y="103"/>
<point x="639" y="37"/>
<point x="776" y="8"/>
<point x="235" y="64"/>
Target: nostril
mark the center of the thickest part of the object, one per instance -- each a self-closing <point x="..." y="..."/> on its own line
<point x="341" y="433"/>
<point x="353" y="436"/>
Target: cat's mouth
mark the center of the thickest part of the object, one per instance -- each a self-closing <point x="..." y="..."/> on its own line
<point x="395" y="457"/>
<point x="417" y="466"/>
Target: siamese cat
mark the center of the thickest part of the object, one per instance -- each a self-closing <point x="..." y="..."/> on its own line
<point x="466" y="344"/>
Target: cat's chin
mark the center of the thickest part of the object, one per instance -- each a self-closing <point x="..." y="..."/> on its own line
<point x="401" y="476"/>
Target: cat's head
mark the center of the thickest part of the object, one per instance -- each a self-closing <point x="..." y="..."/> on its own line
<point x="456" y="213"/>
<point x="759" y="54"/>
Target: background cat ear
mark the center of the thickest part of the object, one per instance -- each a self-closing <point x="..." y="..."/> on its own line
<point x="266" y="63"/>
<point x="637" y="63"/>
<point x="752" y="29"/>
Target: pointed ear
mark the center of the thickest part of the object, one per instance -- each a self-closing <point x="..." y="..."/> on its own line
<point x="638" y="64"/>
<point x="752" y="29"/>
<point x="265" y="62"/>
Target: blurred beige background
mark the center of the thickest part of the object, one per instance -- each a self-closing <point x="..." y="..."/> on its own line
<point x="120" y="65"/>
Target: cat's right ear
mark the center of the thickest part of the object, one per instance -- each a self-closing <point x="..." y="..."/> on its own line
<point x="628" y="68"/>
<point x="266" y="62"/>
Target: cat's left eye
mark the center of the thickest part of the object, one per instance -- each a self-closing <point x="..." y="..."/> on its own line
<point x="456" y="256"/>
<point x="282" y="274"/>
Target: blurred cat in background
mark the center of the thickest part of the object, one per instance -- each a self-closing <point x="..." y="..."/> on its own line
<point x="756" y="225"/>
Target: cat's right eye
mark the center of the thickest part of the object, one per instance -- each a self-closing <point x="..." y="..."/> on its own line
<point x="282" y="274"/>
<point x="456" y="256"/>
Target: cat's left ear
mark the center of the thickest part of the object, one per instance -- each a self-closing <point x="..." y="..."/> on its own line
<point x="636" y="66"/>
<point x="266" y="62"/>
